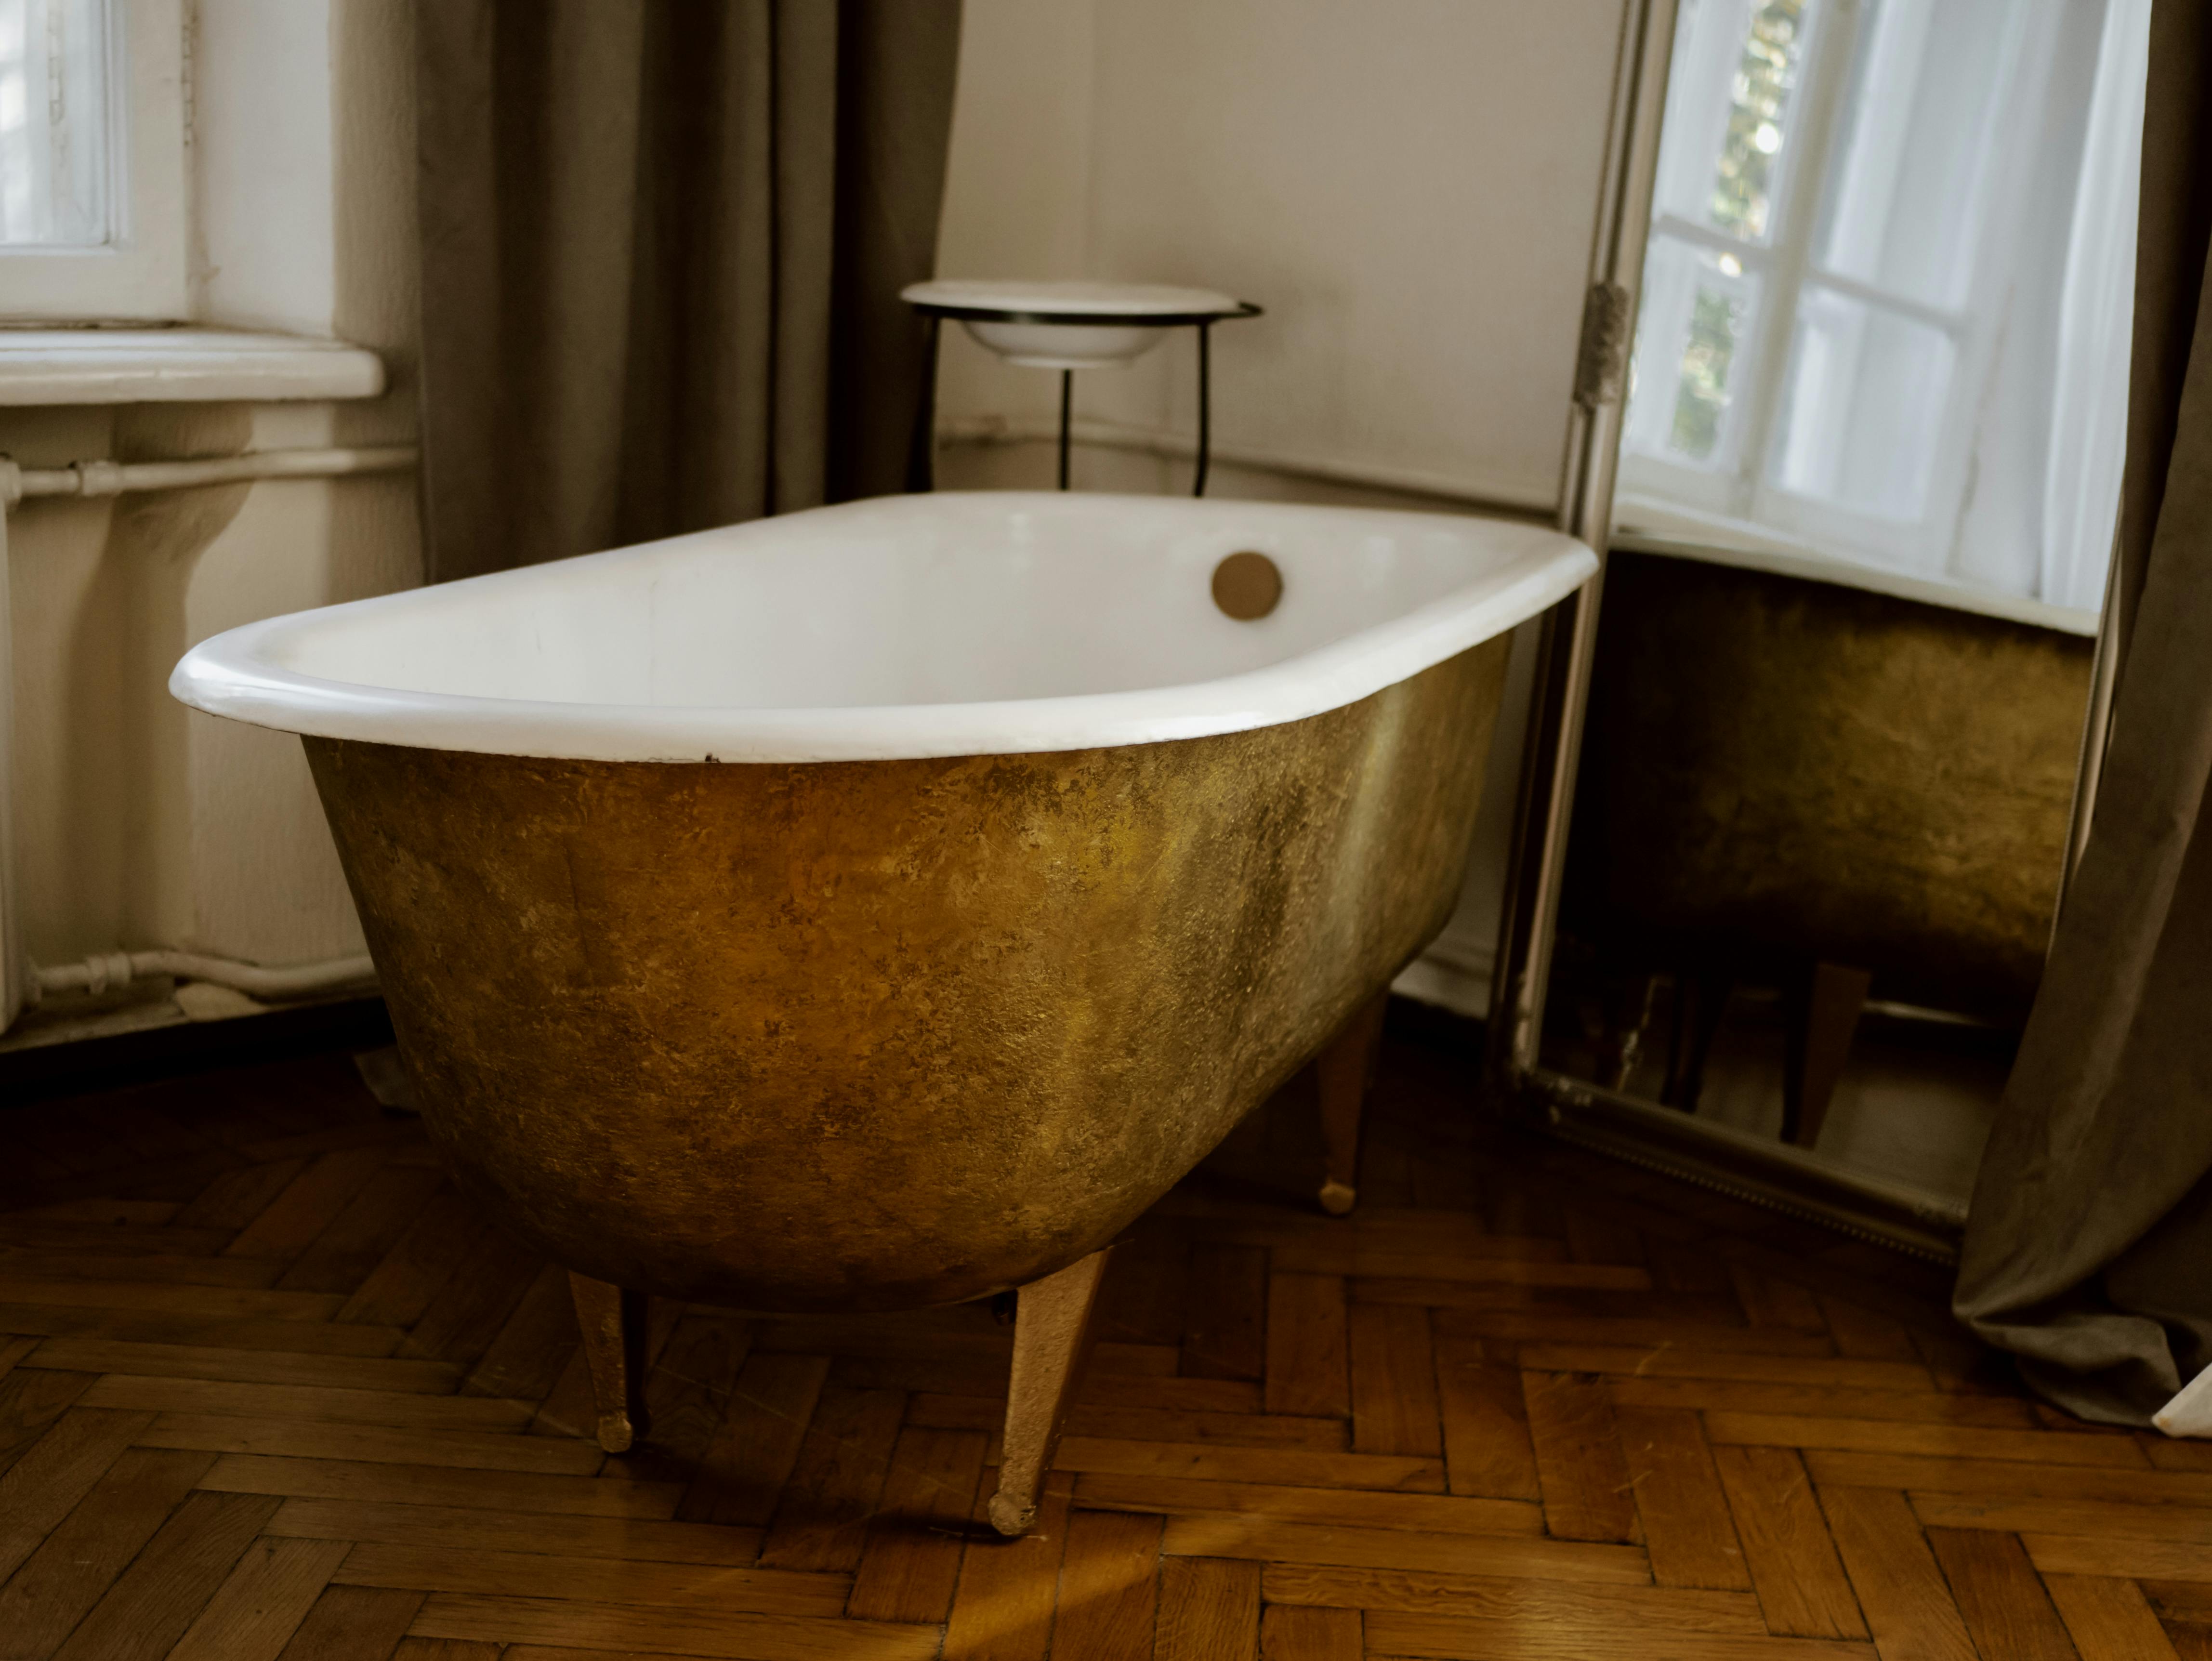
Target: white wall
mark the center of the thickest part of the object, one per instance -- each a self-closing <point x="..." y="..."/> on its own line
<point x="139" y="824"/>
<point x="1410" y="187"/>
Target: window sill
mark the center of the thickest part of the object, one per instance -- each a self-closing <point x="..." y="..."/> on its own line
<point x="1645" y="524"/>
<point x="39" y="367"/>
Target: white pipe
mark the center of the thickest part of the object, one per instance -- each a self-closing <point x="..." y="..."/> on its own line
<point x="22" y="982"/>
<point x="110" y="478"/>
<point x="107" y="970"/>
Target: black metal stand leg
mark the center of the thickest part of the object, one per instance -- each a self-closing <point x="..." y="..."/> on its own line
<point x="1205" y="403"/>
<point x="1067" y="412"/>
<point x="922" y="447"/>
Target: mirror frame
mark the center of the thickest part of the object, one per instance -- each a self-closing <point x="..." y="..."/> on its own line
<point x="1765" y="1172"/>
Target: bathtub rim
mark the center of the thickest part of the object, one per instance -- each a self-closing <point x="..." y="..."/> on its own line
<point x="232" y="675"/>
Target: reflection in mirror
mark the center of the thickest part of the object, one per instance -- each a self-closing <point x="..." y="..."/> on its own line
<point x="1868" y="475"/>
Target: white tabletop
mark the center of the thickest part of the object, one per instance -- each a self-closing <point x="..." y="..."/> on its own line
<point x="1119" y="301"/>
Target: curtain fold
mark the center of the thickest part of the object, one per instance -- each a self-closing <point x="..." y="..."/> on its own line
<point x="2088" y="1248"/>
<point x="662" y="243"/>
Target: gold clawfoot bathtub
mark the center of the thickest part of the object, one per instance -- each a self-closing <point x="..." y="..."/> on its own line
<point x="882" y="906"/>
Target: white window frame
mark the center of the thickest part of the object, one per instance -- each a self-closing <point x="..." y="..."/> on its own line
<point x="1736" y="485"/>
<point x="140" y="275"/>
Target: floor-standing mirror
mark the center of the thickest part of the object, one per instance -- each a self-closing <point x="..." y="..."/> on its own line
<point x="1821" y="757"/>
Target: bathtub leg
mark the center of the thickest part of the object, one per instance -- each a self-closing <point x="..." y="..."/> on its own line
<point x="1052" y="1339"/>
<point x="1344" y="1070"/>
<point x="613" y="1323"/>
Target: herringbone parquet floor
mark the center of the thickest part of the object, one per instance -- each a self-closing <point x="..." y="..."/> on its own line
<point x="273" y="1390"/>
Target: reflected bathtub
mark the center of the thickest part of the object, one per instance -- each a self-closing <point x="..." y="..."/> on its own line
<point x="881" y="906"/>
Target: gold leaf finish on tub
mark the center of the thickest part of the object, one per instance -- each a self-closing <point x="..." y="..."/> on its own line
<point x="874" y="1035"/>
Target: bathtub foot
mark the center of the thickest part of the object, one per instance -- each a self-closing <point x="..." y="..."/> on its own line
<point x="1052" y="1339"/>
<point x="1343" y="1071"/>
<point x="613" y="1323"/>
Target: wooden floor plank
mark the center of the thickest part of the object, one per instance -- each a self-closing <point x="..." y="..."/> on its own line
<point x="149" y="1606"/>
<point x="1311" y="1634"/>
<point x="1782" y="1401"/>
<point x="1909" y="1607"/>
<point x="237" y="1197"/>
<point x="1209" y="1610"/>
<point x="1524" y="1601"/>
<point x="1488" y="1450"/>
<point x="2108" y="1620"/>
<point x="1394" y="1382"/>
<point x="822" y="1519"/>
<point x="910" y="1560"/>
<point x="466" y="1313"/>
<point x="528" y="1352"/>
<point x="1448" y="1638"/>
<point x="1688" y="1528"/>
<point x="1266" y="1540"/>
<point x="464" y="1529"/>
<point x="2007" y="1479"/>
<point x="1585" y="1480"/>
<point x="743" y="1472"/>
<point x="247" y="1366"/>
<point x="381" y="1444"/>
<point x="31" y="1399"/>
<point x="364" y="1230"/>
<point x="1108" y="1587"/>
<point x="354" y="1623"/>
<point x="1363" y="1508"/>
<point x="1867" y="1335"/>
<point x="1226" y="1336"/>
<point x="2139" y="1558"/>
<point x="1290" y="1466"/>
<point x="1146" y="1424"/>
<point x="1997" y="1591"/>
<point x="1794" y="1567"/>
<point x="703" y="1586"/>
<point x="1308" y="1369"/>
<point x="73" y="1567"/>
<point x="1940" y="1441"/>
<point x="314" y="1404"/>
<point x="1667" y="1359"/>
<point x="1538" y="1326"/>
<point x="2108" y="1521"/>
<point x="687" y="1391"/>
<point x="626" y="1629"/>
<point x="1003" y="1608"/>
<point x="63" y="1466"/>
<point x="438" y="1485"/>
<point x="255" y="1613"/>
<point x="418" y="1267"/>
<point x="164" y="1268"/>
<point x="306" y="1205"/>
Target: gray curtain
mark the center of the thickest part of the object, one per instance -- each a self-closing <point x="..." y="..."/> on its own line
<point x="662" y="244"/>
<point x="2088" y="1248"/>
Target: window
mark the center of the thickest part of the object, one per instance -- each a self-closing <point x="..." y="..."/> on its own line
<point x="91" y="173"/>
<point x="1869" y="229"/>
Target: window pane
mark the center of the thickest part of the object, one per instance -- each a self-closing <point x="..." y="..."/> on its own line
<point x="1910" y="182"/>
<point x="1863" y="406"/>
<point x="1692" y="347"/>
<point x="54" y="130"/>
<point x="1731" y="108"/>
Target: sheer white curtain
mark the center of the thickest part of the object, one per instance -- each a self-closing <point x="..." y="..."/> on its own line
<point x="2089" y="394"/>
<point x="55" y="63"/>
<point x="1888" y="292"/>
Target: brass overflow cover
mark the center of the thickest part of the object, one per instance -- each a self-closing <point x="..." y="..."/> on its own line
<point x="1248" y="586"/>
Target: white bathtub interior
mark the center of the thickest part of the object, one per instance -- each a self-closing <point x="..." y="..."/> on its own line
<point x="955" y="601"/>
